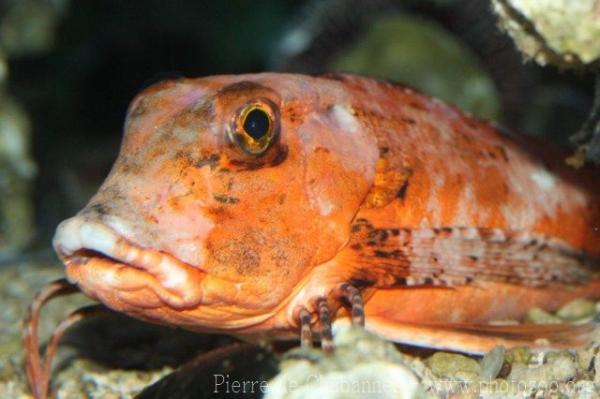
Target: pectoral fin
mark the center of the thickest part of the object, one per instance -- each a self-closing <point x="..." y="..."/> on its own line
<point x="463" y="318"/>
<point x="456" y="256"/>
<point x="481" y="338"/>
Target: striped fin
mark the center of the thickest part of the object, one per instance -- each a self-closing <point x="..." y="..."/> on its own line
<point x="453" y="256"/>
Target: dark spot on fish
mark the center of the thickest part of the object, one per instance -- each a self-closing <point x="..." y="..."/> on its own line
<point x="468" y="280"/>
<point x="255" y="164"/>
<point x="359" y="224"/>
<point x="204" y="112"/>
<point x="224" y="199"/>
<point x="183" y="154"/>
<point x="212" y="160"/>
<point x="428" y="281"/>
<point x="377" y="236"/>
<point x="239" y="253"/>
<point x="127" y="166"/>
<point x="469" y="122"/>
<point x="356" y="247"/>
<point x="99" y="209"/>
<point x="140" y="109"/>
<point x="408" y="120"/>
<point x="465" y="137"/>
<point x="383" y="150"/>
<point x="416" y="105"/>
<point x="219" y="212"/>
<point x="442" y="231"/>
<point x="395" y="232"/>
<point x="497" y="152"/>
<point x="395" y="254"/>
<point x="280" y="157"/>
<point x="334" y="76"/>
<point x="360" y="282"/>
<point x="400" y="281"/>
<point x="245" y="165"/>
<point x="322" y="149"/>
<point x="402" y="191"/>
<point x="243" y="86"/>
<point x="194" y="118"/>
<point x="148" y="93"/>
<point x="473" y="258"/>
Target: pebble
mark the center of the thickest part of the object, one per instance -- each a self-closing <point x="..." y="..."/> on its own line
<point x="576" y="310"/>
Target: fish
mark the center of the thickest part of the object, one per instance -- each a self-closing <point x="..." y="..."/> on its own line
<point x="281" y="206"/>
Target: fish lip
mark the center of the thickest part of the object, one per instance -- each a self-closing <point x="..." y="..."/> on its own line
<point x="80" y="238"/>
<point x="78" y="241"/>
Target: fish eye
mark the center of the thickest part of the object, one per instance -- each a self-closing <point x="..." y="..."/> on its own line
<point x="254" y="129"/>
<point x="257" y="124"/>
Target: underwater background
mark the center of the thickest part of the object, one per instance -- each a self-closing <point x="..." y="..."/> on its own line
<point x="68" y="70"/>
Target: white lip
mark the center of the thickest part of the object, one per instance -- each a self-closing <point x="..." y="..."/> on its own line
<point x="178" y="278"/>
<point x="75" y="234"/>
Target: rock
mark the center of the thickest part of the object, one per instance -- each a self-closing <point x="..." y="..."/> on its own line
<point x="85" y="379"/>
<point x="30" y="26"/>
<point x="17" y="170"/>
<point x="540" y="316"/>
<point x="562" y="368"/>
<point x="519" y="355"/>
<point x="454" y="366"/>
<point x="597" y="369"/>
<point x="576" y="310"/>
<point x="491" y="363"/>
<point x="585" y="390"/>
<point x="361" y="365"/>
<point x="560" y="32"/>
<point x="584" y="358"/>
<point x="554" y="376"/>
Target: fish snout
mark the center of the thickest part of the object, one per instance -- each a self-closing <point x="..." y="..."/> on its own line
<point x="96" y="257"/>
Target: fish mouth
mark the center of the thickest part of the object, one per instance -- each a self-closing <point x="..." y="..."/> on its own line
<point x="97" y="258"/>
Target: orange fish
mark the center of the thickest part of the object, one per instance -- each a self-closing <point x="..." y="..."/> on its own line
<point x="275" y="205"/>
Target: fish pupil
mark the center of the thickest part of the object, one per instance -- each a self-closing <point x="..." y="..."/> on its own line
<point x="257" y="124"/>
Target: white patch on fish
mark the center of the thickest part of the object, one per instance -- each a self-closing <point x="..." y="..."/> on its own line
<point x="345" y="119"/>
<point x="543" y="179"/>
<point x="540" y="193"/>
<point x="175" y="277"/>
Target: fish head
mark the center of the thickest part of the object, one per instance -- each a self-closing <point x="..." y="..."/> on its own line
<point x="226" y="193"/>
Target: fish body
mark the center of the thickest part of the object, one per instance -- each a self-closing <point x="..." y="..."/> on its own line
<point x="237" y="200"/>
